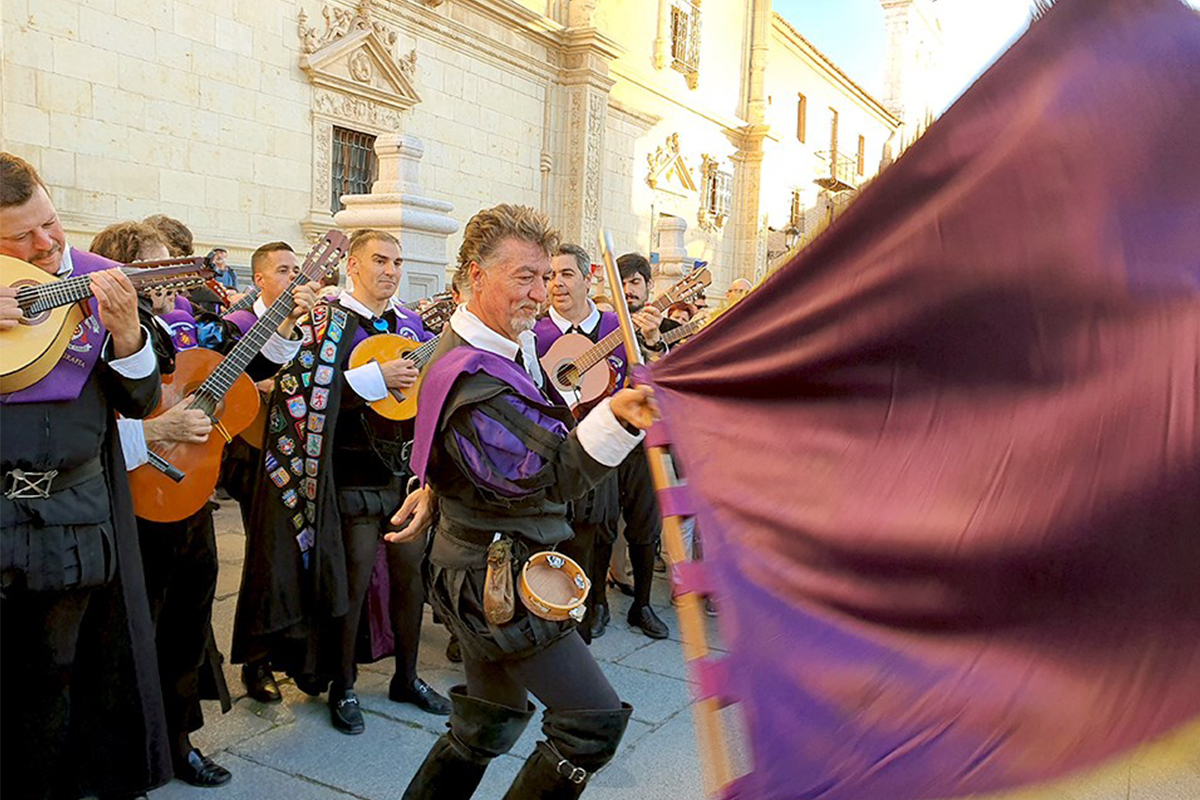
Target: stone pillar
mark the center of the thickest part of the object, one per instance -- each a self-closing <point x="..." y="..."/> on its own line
<point x="396" y="204"/>
<point x="586" y="84"/>
<point x="747" y="182"/>
<point x="672" y="250"/>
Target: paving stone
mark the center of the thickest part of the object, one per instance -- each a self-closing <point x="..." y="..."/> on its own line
<point x="245" y="720"/>
<point x="251" y="780"/>
<point x="655" y="698"/>
<point x="662" y="766"/>
<point x="664" y="657"/>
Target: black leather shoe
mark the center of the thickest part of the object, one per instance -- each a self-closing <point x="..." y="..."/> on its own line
<point x="421" y="695"/>
<point x="600" y="622"/>
<point x="454" y="650"/>
<point x="260" y="683"/>
<point x="345" y="714"/>
<point x="200" y="770"/>
<point x="625" y="588"/>
<point x="649" y="623"/>
<point x="311" y="685"/>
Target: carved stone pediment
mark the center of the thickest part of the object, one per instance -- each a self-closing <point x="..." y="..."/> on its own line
<point x="669" y="170"/>
<point x="355" y="56"/>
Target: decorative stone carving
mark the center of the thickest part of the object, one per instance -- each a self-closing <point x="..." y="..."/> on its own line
<point x="355" y="55"/>
<point x="669" y="170"/>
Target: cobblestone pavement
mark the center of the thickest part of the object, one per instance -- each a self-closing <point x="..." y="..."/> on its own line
<point x="291" y="751"/>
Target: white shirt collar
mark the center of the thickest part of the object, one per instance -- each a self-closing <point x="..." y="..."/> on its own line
<point x="587" y="326"/>
<point x="470" y="327"/>
<point x="259" y="307"/>
<point x="66" y="265"/>
<point x="351" y="302"/>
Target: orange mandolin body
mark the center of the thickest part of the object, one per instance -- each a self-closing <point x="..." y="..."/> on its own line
<point x="155" y="496"/>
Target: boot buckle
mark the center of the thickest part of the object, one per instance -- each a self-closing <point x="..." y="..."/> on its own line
<point x="573" y="773"/>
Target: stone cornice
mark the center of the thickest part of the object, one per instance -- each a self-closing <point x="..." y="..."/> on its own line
<point x="642" y="118"/>
<point x="651" y="84"/>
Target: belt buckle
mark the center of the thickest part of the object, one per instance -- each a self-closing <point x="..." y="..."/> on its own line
<point x="24" y="485"/>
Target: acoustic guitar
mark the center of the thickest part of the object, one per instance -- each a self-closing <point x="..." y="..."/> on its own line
<point x="222" y="390"/>
<point x="400" y="405"/>
<point x="54" y="307"/>
<point x="578" y="368"/>
<point x="246" y="301"/>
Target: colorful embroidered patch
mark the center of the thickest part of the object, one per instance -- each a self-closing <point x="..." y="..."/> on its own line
<point x="328" y="351"/>
<point x="409" y="333"/>
<point x="316" y="422"/>
<point x="305" y="539"/>
<point x="307" y="358"/>
<point x="280" y="477"/>
<point x="286" y="445"/>
<point x="310" y="511"/>
<point x="306" y="379"/>
<point x="296" y="406"/>
<point x="290" y="498"/>
<point x="339" y="317"/>
<point x="320" y="313"/>
<point x="312" y="445"/>
<point x="297" y="466"/>
<point x="308" y="487"/>
<point x="324" y="375"/>
<point x="335" y="333"/>
<point x="300" y="428"/>
<point x="271" y="461"/>
<point x="320" y="398"/>
<point x="311" y="465"/>
<point x="306" y="336"/>
<point x="288" y="384"/>
<point x="298" y="522"/>
<point x="277" y="421"/>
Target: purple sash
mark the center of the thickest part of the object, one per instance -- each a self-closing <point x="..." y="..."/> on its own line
<point x="243" y="319"/>
<point x="66" y="380"/>
<point x="440" y="378"/>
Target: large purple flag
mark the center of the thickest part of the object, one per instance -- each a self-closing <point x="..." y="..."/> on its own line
<point x="946" y="462"/>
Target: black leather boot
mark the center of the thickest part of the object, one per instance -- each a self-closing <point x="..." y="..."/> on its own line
<point x="577" y="744"/>
<point x="479" y="731"/>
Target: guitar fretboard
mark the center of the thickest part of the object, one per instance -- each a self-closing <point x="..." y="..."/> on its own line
<point x="246" y="302"/>
<point x="600" y="350"/>
<point x="43" y="297"/>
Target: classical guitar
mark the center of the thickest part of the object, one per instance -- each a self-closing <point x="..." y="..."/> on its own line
<point x="246" y="301"/>
<point x="401" y="405"/>
<point x="689" y="328"/>
<point x="219" y="387"/>
<point x="53" y="309"/>
<point x="578" y="368"/>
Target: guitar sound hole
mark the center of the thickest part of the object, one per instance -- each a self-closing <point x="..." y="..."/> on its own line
<point x="567" y="375"/>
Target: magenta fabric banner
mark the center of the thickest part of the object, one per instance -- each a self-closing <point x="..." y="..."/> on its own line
<point x="947" y="461"/>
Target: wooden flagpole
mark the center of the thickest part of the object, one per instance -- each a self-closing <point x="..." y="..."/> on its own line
<point x="709" y="732"/>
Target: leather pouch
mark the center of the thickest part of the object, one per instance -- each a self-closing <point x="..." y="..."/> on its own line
<point x="498" y="597"/>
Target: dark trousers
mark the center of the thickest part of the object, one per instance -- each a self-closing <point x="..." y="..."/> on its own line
<point x="40" y="636"/>
<point x="563" y="676"/>
<point x="643" y="521"/>
<point x="180" y="562"/>
<point x="360" y="537"/>
<point x="591" y="547"/>
<point x="406" y="600"/>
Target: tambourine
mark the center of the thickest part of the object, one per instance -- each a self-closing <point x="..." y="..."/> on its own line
<point x="554" y="587"/>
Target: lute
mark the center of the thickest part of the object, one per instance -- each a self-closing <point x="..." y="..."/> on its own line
<point x="54" y="307"/>
<point x="401" y="405"/>
<point x="222" y="390"/>
<point x="578" y="368"/>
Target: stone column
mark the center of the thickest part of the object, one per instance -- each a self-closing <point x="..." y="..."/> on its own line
<point x="586" y="84"/>
<point x="743" y="222"/>
<point x="397" y="205"/>
<point x="672" y="250"/>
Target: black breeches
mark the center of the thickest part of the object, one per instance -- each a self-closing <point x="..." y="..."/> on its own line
<point x="360" y="537"/>
<point x="591" y="547"/>
<point x="406" y="599"/>
<point x="639" y="504"/>
<point x="563" y="676"/>
<point x="40" y="635"/>
<point x="180" y="562"/>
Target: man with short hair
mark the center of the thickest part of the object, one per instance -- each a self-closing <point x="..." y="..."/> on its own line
<point x="594" y="516"/>
<point x="224" y="275"/>
<point x="333" y="471"/>
<point x="79" y="686"/>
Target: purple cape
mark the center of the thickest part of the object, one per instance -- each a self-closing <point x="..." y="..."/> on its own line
<point x="946" y="462"/>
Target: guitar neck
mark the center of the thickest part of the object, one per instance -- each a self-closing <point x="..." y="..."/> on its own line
<point x="600" y="350"/>
<point x="246" y="303"/>
<point x="36" y="299"/>
<point x="422" y="354"/>
<point x="683" y="331"/>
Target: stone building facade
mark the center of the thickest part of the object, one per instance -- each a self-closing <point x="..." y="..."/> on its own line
<point x="674" y="123"/>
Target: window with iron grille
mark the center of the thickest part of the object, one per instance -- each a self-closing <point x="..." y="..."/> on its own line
<point x="802" y="118"/>
<point x="353" y="165"/>
<point x="862" y="155"/>
<point x="685" y="39"/>
<point x="717" y="198"/>
<point x="796" y="215"/>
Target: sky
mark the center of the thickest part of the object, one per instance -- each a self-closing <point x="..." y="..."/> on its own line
<point x="851" y="33"/>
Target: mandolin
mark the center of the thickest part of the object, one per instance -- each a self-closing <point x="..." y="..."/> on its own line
<point x="54" y="308"/>
<point x="578" y="368"/>
<point x="382" y="347"/>
<point x="219" y="387"/>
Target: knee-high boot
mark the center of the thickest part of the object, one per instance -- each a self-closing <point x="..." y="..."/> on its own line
<point x="479" y="731"/>
<point x="577" y="744"/>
